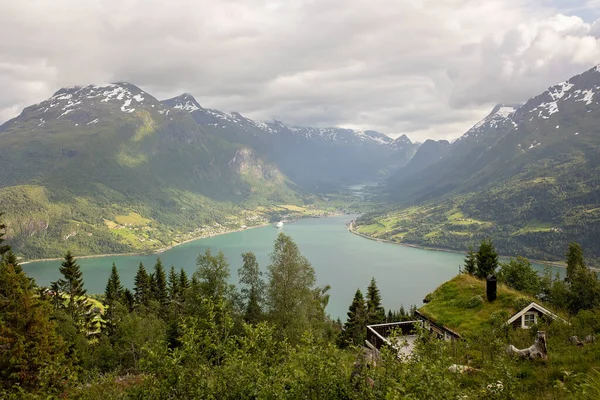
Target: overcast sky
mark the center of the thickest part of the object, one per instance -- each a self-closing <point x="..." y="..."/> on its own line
<point x="427" y="68"/>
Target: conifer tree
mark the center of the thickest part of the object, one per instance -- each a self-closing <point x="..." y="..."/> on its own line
<point x="114" y="289"/>
<point x="112" y="295"/>
<point x="3" y="248"/>
<point x="151" y="286"/>
<point x="141" y="286"/>
<point x="487" y="259"/>
<point x="71" y="285"/>
<point x="355" y="327"/>
<point x="10" y="258"/>
<point x="128" y="299"/>
<point x="174" y="285"/>
<point x="31" y="352"/>
<point x="470" y="262"/>
<point x="583" y="283"/>
<point x="184" y="282"/>
<point x="575" y="261"/>
<point x="159" y="283"/>
<point x="253" y="288"/>
<point x="375" y="311"/>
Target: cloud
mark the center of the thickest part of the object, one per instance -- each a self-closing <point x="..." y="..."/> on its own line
<point x="427" y="68"/>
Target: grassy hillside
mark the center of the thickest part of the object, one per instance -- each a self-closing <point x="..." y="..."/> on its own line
<point x="111" y="169"/>
<point x="535" y="213"/>
<point x="528" y="177"/>
<point x="461" y="304"/>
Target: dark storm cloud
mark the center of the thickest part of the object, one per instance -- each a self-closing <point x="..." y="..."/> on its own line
<point x="426" y="68"/>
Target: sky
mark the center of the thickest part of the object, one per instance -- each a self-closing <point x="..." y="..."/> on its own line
<point x="425" y="68"/>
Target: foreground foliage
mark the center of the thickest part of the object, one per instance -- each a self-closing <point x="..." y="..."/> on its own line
<point x="176" y="338"/>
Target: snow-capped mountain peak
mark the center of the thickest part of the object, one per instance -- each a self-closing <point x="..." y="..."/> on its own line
<point x="500" y="117"/>
<point x="67" y="99"/>
<point x="185" y="102"/>
<point x="82" y="106"/>
<point x="580" y="90"/>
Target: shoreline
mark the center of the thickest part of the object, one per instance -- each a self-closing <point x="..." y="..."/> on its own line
<point x="142" y="253"/>
<point x="166" y="248"/>
<point x="351" y="229"/>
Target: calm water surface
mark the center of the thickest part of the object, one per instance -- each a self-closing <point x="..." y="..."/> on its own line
<point x="341" y="259"/>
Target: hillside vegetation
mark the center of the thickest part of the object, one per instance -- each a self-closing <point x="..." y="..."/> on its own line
<point x="122" y="172"/>
<point x="527" y="175"/>
<point x="201" y="337"/>
<point x="461" y="304"/>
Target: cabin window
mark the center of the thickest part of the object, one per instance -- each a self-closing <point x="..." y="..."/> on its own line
<point x="528" y="320"/>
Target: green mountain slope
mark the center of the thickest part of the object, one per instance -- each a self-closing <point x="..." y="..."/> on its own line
<point x="528" y="177"/>
<point x="110" y="168"/>
<point x="317" y="159"/>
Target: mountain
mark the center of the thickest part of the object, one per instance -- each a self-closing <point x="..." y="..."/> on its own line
<point x="315" y="158"/>
<point x="458" y="161"/>
<point x="527" y="176"/>
<point x="111" y="169"/>
<point x="428" y="154"/>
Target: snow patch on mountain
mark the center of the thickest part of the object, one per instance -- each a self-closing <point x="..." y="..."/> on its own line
<point x="501" y="115"/>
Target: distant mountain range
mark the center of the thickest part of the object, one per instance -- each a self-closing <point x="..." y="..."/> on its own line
<point x="110" y="168"/>
<point x="315" y="158"/>
<point x="527" y="176"/>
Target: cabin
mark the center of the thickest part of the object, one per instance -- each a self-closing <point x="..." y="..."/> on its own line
<point x="460" y="305"/>
<point x="456" y="308"/>
<point x="531" y="315"/>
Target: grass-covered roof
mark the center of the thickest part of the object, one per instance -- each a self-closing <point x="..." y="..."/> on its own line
<point x="461" y="304"/>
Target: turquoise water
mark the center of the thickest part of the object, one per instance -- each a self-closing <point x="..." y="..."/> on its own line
<point x="341" y="259"/>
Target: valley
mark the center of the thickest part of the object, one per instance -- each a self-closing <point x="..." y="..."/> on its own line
<point x="111" y="169"/>
<point x="332" y="250"/>
<point x="526" y="176"/>
<point x="260" y="200"/>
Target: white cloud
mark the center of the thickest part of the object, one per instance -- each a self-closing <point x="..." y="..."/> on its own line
<point x="428" y="68"/>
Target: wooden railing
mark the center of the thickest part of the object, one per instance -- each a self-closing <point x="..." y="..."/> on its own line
<point x="440" y="330"/>
<point x="377" y="334"/>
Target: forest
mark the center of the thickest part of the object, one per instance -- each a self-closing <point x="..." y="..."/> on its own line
<point x="269" y="337"/>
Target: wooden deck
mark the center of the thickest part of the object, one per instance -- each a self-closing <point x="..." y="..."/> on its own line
<point x="400" y="336"/>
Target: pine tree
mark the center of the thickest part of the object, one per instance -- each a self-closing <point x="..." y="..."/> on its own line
<point x="575" y="261"/>
<point x="3" y="248"/>
<point x="487" y="259"/>
<point x="470" y="262"/>
<point x="141" y="286"/>
<point x="355" y="327"/>
<point x="402" y="313"/>
<point x="159" y="283"/>
<point x="151" y="286"/>
<point x="71" y="285"/>
<point x="32" y="354"/>
<point x="253" y="288"/>
<point x="174" y="285"/>
<point x="390" y="317"/>
<point x="128" y="299"/>
<point x="114" y="289"/>
<point x="583" y="283"/>
<point x="112" y="295"/>
<point x="184" y="282"/>
<point x="375" y="312"/>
